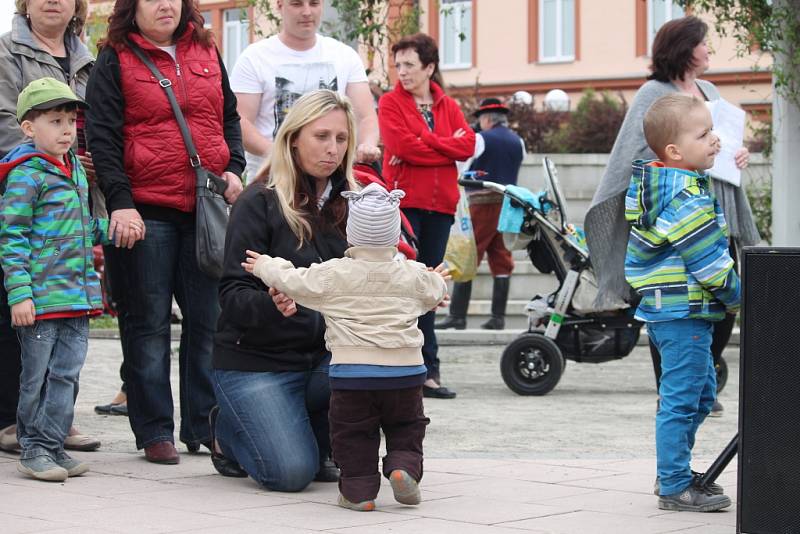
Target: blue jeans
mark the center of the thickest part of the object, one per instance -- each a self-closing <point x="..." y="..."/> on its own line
<point x="275" y="424"/>
<point x="688" y="389"/>
<point x="432" y="230"/>
<point x="53" y="352"/>
<point x="160" y="266"/>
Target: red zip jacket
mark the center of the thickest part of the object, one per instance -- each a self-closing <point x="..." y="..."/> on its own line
<point x="428" y="173"/>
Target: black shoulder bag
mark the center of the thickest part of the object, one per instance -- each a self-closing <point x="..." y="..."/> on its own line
<point x="211" y="210"/>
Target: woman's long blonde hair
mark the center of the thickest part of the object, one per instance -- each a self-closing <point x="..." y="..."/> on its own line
<point x="282" y="172"/>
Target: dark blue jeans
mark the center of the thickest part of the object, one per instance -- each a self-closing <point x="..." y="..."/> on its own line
<point x="275" y="424"/>
<point x="432" y="230"/>
<point x="53" y="352"/>
<point x="160" y="266"/>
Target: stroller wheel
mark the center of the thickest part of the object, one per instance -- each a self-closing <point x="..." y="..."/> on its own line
<point x="722" y="373"/>
<point x="532" y="365"/>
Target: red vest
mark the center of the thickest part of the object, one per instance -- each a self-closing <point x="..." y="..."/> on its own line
<point x="156" y="160"/>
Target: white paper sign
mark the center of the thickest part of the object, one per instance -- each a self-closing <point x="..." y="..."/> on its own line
<point x="729" y="127"/>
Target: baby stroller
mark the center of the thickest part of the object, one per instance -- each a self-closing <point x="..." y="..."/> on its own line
<point x="563" y="325"/>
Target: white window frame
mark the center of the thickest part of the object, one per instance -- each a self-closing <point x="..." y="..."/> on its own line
<point x="232" y="35"/>
<point x="560" y="57"/>
<point x="651" y="32"/>
<point x="457" y="8"/>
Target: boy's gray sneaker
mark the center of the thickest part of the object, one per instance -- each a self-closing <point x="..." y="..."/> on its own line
<point x="713" y="488"/>
<point x="693" y="500"/>
<point x="74" y="467"/>
<point x="42" y="468"/>
<point x="405" y="488"/>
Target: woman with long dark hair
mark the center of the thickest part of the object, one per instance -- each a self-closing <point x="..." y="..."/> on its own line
<point x="144" y="170"/>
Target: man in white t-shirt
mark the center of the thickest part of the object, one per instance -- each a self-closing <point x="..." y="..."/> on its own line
<point x="273" y="73"/>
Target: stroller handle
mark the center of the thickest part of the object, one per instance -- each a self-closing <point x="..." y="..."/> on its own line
<point x="482" y="184"/>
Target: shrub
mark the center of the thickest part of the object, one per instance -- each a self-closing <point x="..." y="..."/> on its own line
<point x="593" y="126"/>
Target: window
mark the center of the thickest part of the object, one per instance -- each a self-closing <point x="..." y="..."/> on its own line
<point x="556" y="30"/>
<point x="235" y="35"/>
<point x="455" y="23"/>
<point x="207" y="19"/>
<point x="659" y="12"/>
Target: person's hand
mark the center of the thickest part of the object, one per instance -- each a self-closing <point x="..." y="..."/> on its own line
<point x="367" y="153"/>
<point x="88" y="166"/>
<point x="285" y="305"/>
<point x="461" y="132"/>
<point x="23" y="313"/>
<point x="395" y="161"/>
<point x="742" y="158"/>
<point x="444" y="303"/>
<point x="126" y="227"/>
<point x="250" y="262"/>
<point x="234" y="188"/>
<point x="443" y="271"/>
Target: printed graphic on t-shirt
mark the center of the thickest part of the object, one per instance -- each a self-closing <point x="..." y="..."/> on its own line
<point x="296" y="80"/>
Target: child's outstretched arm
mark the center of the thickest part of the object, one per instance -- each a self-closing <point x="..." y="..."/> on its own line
<point x="700" y="241"/>
<point x="305" y="285"/>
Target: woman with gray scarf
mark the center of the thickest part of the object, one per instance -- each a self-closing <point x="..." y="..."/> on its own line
<point x="680" y="57"/>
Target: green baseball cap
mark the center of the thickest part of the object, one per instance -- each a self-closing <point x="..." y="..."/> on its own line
<point x="45" y="93"/>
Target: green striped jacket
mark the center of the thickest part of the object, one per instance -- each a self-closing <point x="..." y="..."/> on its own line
<point x="47" y="233"/>
<point x="677" y="256"/>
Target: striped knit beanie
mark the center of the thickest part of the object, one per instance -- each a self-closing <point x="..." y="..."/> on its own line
<point x="373" y="218"/>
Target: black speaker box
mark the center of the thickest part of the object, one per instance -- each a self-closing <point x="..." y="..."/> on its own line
<point x="769" y="393"/>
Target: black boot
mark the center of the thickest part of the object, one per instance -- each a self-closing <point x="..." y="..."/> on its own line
<point x="459" y="302"/>
<point x="499" y="299"/>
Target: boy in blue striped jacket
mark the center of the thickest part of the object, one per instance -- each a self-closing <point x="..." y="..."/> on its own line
<point x="678" y="261"/>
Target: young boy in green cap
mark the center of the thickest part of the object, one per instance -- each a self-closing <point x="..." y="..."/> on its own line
<point x="46" y="239"/>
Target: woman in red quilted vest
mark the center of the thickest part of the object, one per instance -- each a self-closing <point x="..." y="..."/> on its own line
<point x="144" y="171"/>
<point x="424" y="134"/>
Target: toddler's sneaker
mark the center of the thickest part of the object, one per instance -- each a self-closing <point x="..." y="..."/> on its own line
<point x="713" y="488"/>
<point x="363" y="506"/>
<point x="74" y="467"/>
<point x="42" y="468"/>
<point x="693" y="500"/>
<point x="405" y="488"/>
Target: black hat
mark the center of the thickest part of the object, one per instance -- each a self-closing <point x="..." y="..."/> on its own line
<point x="491" y="105"/>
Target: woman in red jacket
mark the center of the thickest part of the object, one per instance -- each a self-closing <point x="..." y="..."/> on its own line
<point x="424" y="134"/>
<point x="143" y="169"/>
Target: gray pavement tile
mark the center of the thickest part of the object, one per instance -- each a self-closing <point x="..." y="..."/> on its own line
<point x="137" y="467"/>
<point x="85" y="529"/>
<point x="208" y="499"/>
<point x="725" y="517"/>
<point x="636" y="504"/>
<point x="512" y="490"/>
<point x="313" y="516"/>
<point x="539" y="472"/>
<point x="251" y="528"/>
<point x="17" y="524"/>
<point x="112" y="486"/>
<point x="482" y="511"/>
<point x="710" y="529"/>
<point x="428" y="525"/>
<point x="588" y="522"/>
<point x="151" y="517"/>
<point x="435" y="478"/>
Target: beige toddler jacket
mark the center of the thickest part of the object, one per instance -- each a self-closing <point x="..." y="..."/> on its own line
<point x="370" y="302"/>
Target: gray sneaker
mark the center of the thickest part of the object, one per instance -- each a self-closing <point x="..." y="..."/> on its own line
<point x="42" y="468"/>
<point x="693" y="500"/>
<point x="405" y="488"/>
<point x="74" y="467"/>
<point x="713" y="488"/>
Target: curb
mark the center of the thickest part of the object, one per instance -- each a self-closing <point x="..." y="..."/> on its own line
<point x="470" y="336"/>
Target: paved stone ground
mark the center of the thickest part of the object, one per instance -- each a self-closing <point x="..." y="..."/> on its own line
<point x="579" y="460"/>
